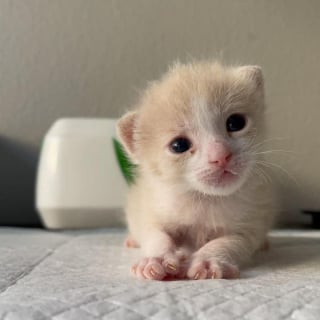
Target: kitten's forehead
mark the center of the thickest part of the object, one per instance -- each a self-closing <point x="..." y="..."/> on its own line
<point x="202" y="115"/>
<point x="194" y="96"/>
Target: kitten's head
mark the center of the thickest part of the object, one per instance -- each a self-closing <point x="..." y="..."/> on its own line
<point x="196" y="126"/>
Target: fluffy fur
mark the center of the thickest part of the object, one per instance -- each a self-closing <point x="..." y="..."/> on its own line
<point x="191" y="218"/>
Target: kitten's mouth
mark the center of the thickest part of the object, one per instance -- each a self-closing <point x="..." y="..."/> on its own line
<point x="219" y="179"/>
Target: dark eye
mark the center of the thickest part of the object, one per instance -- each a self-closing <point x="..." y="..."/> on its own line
<point x="180" y="145"/>
<point x="236" y="122"/>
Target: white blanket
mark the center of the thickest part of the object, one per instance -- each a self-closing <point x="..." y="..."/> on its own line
<point x="85" y="275"/>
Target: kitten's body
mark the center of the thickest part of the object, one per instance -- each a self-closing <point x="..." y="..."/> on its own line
<point x="197" y="217"/>
<point x="190" y="216"/>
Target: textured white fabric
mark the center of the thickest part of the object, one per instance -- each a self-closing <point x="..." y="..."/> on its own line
<point x="84" y="275"/>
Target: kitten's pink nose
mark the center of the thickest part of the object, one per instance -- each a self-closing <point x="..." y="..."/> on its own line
<point x="219" y="155"/>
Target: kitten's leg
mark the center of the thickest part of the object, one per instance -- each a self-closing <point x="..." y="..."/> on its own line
<point x="161" y="257"/>
<point x="220" y="258"/>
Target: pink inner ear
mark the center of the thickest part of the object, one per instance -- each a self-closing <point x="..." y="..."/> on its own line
<point x="126" y="126"/>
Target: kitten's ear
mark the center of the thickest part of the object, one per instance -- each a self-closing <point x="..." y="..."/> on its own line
<point x="254" y="74"/>
<point x="126" y="128"/>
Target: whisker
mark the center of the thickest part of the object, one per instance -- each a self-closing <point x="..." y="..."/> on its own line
<point x="262" y="174"/>
<point x="275" y="150"/>
<point x="271" y="166"/>
<point x="257" y="145"/>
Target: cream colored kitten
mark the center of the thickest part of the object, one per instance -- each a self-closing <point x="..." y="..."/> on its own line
<point x="198" y="208"/>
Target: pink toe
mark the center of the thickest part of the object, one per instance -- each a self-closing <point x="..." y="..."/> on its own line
<point x="131" y="243"/>
<point x="197" y="271"/>
<point x="215" y="271"/>
<point x="140" y="267"/>
<point x="154" y="270"/>
<point x="171" y="264"/>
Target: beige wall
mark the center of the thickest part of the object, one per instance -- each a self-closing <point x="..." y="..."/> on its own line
<point x="87" y="58"/>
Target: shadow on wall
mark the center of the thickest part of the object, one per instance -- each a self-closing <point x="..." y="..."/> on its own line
<point x="18" y="164"/>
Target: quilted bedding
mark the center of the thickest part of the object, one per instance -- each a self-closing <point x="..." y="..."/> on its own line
<point x="84" y="275"/>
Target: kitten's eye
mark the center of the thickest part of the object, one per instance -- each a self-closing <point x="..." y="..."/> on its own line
<point x="180" y="145"/>
<point x="236" y="122"/>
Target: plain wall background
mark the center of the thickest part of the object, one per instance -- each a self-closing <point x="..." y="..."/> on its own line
<point x="88" y="58"/>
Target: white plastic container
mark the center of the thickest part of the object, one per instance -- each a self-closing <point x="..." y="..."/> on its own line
<point x="79" y="182"/>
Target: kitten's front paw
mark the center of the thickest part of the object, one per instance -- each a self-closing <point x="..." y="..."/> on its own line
<point x="168" y="266"/>
<point x="212" y="269"/>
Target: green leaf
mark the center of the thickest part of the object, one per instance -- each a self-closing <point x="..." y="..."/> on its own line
<point x="126" y="166"/>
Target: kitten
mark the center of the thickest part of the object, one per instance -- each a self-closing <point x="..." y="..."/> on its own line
<point x="198" y="208"/>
